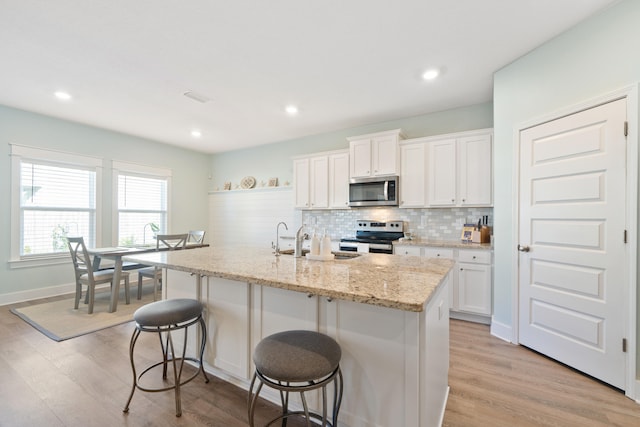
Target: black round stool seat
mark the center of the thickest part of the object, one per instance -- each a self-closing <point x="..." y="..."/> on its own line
<point x="167" y="312"/>
<point x="164" y="317"/>
<point x="296" y="356"/>
<point x="298" y="361"/>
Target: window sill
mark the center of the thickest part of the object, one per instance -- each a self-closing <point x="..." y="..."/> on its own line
<point x="39" y="261"/>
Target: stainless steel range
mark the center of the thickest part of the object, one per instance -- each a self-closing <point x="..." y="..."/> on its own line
<point x="373" y="236"/>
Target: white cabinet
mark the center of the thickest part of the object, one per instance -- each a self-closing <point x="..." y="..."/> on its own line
<point x="471" y="291"/>
<point x="321" y="181"/>
<point x="459" y="171"/>
<point x="474" y="282"/>
<point x="339" y="180"/>
<point x="375" y="154"/>
<point x="227" y="306"/>
<point x="301" y="182"/>
<point x="412" y="175"/>
<point x="407" y="250"/>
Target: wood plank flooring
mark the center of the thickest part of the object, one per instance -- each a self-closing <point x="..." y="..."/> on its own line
<point x="85" y="381"/>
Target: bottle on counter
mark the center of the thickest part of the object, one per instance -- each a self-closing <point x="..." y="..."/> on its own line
<point x="315" y="244"/>
<point x="325" y="244"/>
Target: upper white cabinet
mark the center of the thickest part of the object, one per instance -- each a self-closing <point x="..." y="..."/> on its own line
<point x="339" y="180"/>
<point x="459" y="171"/>
<point x="412" y="175"/>
<point x="321" y="181"/>
<point x="375" y="154"/>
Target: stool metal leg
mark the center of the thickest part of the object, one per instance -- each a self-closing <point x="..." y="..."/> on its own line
<point x="177" y="368"/>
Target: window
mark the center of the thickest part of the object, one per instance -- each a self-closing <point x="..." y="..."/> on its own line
<point x="142" y="208"/>
<point x="54" y="195"/>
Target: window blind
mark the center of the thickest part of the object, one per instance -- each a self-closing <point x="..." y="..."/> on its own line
<point x="56" y="202"/>
<point x="142" y="209"/>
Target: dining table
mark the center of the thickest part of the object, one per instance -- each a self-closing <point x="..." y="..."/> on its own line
<point x="116" y="254"/>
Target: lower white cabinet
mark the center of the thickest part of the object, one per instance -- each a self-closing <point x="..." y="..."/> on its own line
<point x="474" y="282"/>
<point x="471" y="290"/>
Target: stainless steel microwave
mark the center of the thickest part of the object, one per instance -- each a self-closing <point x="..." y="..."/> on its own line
<point x="373" y="191"/>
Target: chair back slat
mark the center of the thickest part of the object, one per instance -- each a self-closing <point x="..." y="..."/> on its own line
<point x="171" y="241"/>
<point x="80" y="256"/>
<point x="196" y="236"/>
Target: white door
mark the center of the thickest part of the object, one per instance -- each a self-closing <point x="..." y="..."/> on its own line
<point x="572" y="224"/>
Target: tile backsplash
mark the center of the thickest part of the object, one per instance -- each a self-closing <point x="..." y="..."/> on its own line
<point x="438" y="224"/>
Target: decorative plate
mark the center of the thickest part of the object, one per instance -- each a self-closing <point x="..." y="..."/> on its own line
<point x="248" y="182"/>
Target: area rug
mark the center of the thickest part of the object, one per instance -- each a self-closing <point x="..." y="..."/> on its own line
<point x="59" y="321"/>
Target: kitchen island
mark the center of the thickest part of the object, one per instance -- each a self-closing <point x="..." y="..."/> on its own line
<point x="388" y="313"/>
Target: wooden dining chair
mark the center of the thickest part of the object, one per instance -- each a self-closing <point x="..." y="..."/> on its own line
<point x="166" y="242"/>
<point x="196" y="237"/>
<point x="86" y="276"/>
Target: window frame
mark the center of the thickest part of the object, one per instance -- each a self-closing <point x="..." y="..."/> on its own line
<point x="127" y="168"/>
<point x="20" y="153"/>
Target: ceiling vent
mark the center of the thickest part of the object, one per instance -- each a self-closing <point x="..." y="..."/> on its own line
<point x="196" y="96"/>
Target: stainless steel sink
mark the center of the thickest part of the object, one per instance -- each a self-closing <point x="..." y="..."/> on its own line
<point x="339" y="255"/>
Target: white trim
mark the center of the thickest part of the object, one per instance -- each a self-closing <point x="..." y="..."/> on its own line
<point x="33" y="294"/>
<point x="127" y="168"/>
<point x="22" y="152"/>
<point x="55" y="156"/>
<point x="142" y="169"/>
<point x="501" y="330"/>
<point x="631" y="94"/>
<point x="456" y="135"/>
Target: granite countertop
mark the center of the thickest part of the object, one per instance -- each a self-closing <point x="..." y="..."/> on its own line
<point x="457" y="244"/>
<point x="394" y="281"/>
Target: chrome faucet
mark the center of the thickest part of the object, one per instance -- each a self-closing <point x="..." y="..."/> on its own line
<point x="300" y="236"/>
<point x="277" y="245"/>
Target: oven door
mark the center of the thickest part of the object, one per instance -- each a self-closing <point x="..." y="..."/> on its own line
<point x="354" y="247"/>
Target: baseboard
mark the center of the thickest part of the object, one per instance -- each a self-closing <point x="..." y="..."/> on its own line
<point x="501" y="330"/>
<point x="469" y="317"/>
<point x="31" y="294"/>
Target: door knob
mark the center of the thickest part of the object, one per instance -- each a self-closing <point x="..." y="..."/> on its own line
<point x="523" y="248"/>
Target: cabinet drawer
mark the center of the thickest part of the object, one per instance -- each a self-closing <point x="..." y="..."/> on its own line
<point x="438" y="253"/>
<point x="408" y="250"/>
<point x="475" y="256"/>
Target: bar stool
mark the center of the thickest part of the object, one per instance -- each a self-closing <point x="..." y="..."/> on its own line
<point x="298" y="361"/>
<point x="165" y="317"/>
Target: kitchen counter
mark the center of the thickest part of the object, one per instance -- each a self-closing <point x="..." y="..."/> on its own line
<point x="456" y="244"/>
<point x="389" y="313"/>
<point x="399" y="282"/>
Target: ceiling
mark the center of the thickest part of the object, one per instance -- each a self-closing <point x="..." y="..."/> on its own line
<point x="127" y="64"/>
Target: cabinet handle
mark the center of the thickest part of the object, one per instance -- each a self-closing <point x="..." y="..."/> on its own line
<point x="461" y="269"/>
<point x="474" y="257"/>
<point x="309" y="295"/>
<point x="329" y="299"/>
<point x="464" y="200"/>
<point x="453" y="200"/>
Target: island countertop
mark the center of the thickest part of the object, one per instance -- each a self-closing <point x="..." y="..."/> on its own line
<point x="393" y="281"/>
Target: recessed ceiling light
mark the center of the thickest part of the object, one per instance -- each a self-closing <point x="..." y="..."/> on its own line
<point x="430" y="74"/>
<point x="196" y="133"/>
<point x="291" y="109"/>
<point x="62" y="95"/>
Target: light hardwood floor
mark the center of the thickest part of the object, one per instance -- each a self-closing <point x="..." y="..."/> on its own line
<point x="85" y="381"/>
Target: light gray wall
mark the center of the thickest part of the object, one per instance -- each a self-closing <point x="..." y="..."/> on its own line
<point x="274" y="160"/>
<point x="594" y="58"/>
<point x="189" y="183"/>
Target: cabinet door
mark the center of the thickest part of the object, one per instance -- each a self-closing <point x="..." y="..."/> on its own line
<point x="407" y="250"/>
<point x="339" y="181"/>
<point x="319" y="182"/>
<point x="439" y="253"/>
<point x="228" y="326"/>
<point x="475" y="171"/>
<point x="360" y="158"/>
<point x="384" y="155"/>
<point x="474" y="288"/>
<point x="301" y="183"/>
<point x="442" y="173"/>
<point x="412" y="176"/>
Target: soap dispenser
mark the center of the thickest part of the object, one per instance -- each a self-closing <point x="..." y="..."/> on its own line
<point x="325" y="245"/>
<point x="315" y="244"/>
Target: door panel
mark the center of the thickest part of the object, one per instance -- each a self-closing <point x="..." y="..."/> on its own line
<point x="572" y="281"/>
